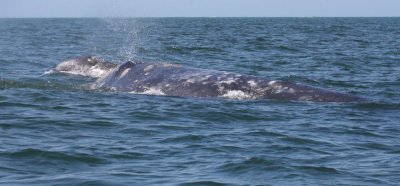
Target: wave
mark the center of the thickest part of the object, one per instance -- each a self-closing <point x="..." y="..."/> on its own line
<point x="186" y="50"/>
<point x="204" y="182"/>
<point x="38" y="155"/>
<point x="51" y="83"/>
<point x="377" y="106"/>
<point x="184" y="138"/>
<point x="252" y="164"/>
<point x="317" y="169"/>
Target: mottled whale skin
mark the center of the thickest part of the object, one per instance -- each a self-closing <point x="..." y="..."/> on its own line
<point x="176" y="80"/>
<point x="86" y="66"/>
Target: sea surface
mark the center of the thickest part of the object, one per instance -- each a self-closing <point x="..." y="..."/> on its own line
<point x="55" y="130"/>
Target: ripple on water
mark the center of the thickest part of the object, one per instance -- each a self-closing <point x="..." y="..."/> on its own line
<point x="204" y="182"/>
<point x="252" y="165"/>
<point x="184" y="138"/>
<point x="37" y="156"/>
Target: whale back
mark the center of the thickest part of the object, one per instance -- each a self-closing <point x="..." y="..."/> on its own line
<point x="86" y="66"/>
<point x="175" y="80"/>
<point x="120" y="77"/>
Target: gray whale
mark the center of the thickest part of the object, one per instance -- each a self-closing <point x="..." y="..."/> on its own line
<point x="176" y="80"/>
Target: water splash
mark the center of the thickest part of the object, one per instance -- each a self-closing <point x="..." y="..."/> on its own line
<point x="131" y="35"/>
<point x="151" y="91"/>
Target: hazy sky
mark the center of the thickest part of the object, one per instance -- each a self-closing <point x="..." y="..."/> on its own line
<point x="196" y="8"/>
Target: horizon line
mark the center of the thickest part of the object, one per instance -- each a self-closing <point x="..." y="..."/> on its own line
<point x="102" y="17"/>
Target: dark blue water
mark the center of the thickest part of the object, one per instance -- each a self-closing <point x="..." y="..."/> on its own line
<point x="55" y="130"/>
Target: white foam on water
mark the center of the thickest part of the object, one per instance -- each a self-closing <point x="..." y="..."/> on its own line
<point x="49" y="72"/>
<point x="150" y="91"/>
<point x="236" y="94"/>
<point x="74" y="73"/>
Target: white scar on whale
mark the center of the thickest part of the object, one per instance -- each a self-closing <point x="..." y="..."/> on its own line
<point x="176" y="80"/>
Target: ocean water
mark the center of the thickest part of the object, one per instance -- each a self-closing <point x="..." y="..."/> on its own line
<point x="54" y="130"/>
